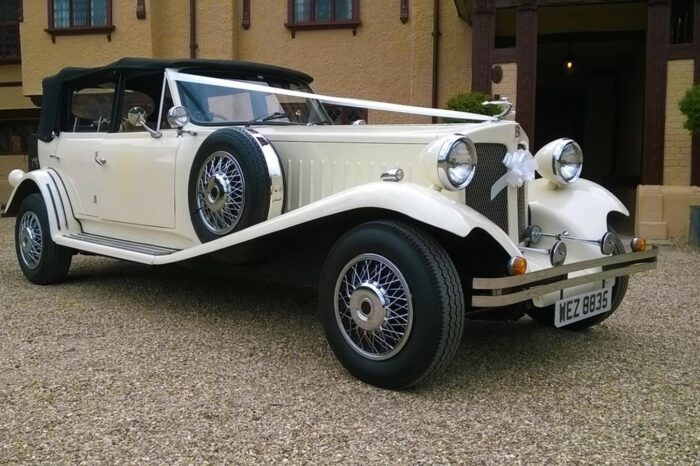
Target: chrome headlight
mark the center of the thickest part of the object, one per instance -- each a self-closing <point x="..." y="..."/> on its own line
<point x="560" y="161"/>
<point x="456" y="162"/>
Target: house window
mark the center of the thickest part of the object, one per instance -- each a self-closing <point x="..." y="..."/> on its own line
<point x="68" y="17"/>
<point x="9" y="31"/>
<point x="14" y="136"/>
<point x="682" y="21"/>
<point x="323" y="14"/>
<point x="345" y="115"/>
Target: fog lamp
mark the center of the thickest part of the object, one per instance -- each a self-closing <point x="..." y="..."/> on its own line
<point x="517" y="265"/>
<point x="638" y="244"/>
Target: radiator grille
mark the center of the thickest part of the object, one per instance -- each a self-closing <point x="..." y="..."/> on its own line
<point x="478" y="194"/>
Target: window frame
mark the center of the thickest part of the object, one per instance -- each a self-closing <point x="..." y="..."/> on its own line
<point x="351" y="23"/>
<point x="79" y="30"/>
<point x="9" y="60"/>
<point x="345" y="113"/>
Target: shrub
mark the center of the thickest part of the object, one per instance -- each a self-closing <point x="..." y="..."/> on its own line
<point x="471" y="102"/>
<point x="690" y="107"/>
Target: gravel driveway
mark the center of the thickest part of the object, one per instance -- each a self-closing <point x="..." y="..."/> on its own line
<point x="126" y="363"/>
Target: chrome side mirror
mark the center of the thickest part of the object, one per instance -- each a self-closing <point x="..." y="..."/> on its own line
<point x="359" y="122"/>
<point x="178" y="118"/>
<point x="137" y="117"/>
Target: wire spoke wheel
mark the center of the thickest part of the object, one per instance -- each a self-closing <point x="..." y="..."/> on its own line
<point x="30" y="240"/>
<point x="220" y="194"/>
<point x="373" y="306"/>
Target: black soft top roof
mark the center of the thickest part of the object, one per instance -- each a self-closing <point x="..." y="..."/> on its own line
<point x="55" y="85"/>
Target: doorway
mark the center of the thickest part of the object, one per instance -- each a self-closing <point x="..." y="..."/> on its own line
<point x="590" y="87"/>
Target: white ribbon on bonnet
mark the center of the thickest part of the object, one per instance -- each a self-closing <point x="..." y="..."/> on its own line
<point x="521" y="167"/>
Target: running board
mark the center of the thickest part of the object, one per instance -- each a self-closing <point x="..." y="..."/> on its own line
<point x="121" y="244"/>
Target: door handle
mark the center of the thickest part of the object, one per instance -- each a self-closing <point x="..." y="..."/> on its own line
<point x="99" y="161"/>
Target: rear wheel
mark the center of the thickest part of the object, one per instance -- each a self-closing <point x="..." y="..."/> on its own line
<point x="545" y="315"/>
<point x="392" y="304"/>
<point x="42" y="261"/>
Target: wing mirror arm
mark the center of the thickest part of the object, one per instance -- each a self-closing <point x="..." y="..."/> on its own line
<point x="178" y="117"/>
<point x="152" y="132"/>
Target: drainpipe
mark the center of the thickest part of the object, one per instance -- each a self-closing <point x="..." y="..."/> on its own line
<point x="193" y="28"/>
<point x="436" y="52"/>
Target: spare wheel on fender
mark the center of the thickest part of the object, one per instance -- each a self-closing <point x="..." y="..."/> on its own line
<point x="235" y="182"/>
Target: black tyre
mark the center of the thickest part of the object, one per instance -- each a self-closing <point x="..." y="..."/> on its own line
<point x="391" y="304"/>
<point x="229" y="185"/>
<point x="545" y="315"/>
<point x="42" y="261"/>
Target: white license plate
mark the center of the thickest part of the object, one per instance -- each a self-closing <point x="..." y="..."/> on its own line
<point x="570" y="310"/>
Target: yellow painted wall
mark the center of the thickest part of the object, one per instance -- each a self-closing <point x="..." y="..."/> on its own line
<point x="11" y="97"/>
<point x="41" y="57"/>
<point x="170" y="27"/>
<point x="387" y="59"/>
<point x="677" y="140"/>
<point x="455" y="58"/>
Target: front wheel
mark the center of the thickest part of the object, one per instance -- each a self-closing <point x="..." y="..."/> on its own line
<point x="391" y="303"/>
<point x="42" y="261"/>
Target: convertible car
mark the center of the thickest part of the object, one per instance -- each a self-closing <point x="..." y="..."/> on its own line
<point x="407" y="230"/>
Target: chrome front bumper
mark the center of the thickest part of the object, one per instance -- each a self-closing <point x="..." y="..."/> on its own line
<point x="499" y="292"/>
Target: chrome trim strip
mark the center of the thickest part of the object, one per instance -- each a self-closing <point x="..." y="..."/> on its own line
<point x="540" y="290"/>
<point x="122" y="244"/>
<point x="60" y="198"/>
<point x="53" y="203"/>
<point x="520" y="280"/>
<point x="274" y="169"/>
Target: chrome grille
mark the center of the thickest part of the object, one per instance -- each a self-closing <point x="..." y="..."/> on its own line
<point x="522" y="217"/>
<point x="478" y="194"/>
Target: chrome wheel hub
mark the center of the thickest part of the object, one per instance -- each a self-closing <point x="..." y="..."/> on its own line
<point x="373" y="307"/>
<point x="368" y="306"/>
<point x="217" y="189"/>
<point x="30" y="240"/>
<point x="220" y="192"/>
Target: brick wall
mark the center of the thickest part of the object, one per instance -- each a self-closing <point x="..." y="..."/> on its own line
<point x="508" y="85"/>
<point x="677" y="141"/>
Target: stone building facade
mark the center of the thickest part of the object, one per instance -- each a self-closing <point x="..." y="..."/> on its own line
<point x="607" y="72"/>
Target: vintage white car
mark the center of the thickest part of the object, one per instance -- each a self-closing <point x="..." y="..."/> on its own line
<point x="406" y="229"/>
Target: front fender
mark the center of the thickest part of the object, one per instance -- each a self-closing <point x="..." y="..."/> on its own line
<point x="49" y="184"/>
<point x="581" y="208"/>
<point x="422" y="204"/>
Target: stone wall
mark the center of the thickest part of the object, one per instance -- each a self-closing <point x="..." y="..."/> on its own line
<point x="677" y="140"/>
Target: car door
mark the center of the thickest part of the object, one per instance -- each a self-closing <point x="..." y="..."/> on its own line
<point x="138" y="178"/>
<point x="82" y="133"/>
<point x="137" y="168"/>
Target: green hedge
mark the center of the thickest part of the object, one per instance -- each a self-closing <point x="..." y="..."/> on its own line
<point x="472" y="102"/>
<point x="690" y="107"/>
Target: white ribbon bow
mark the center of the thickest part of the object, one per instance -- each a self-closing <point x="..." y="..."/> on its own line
<point x="521" y="167"/>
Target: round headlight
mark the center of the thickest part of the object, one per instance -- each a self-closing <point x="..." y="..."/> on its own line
<point x="567" y="162"/>
<point x="560" y="161"/>
<point x="456" y="162"/>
